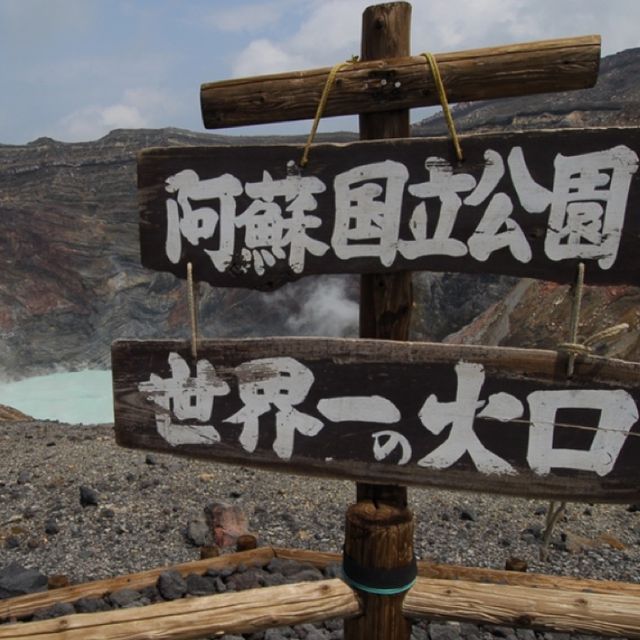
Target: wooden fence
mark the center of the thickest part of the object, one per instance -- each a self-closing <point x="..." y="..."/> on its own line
<point x="441" y="592"/>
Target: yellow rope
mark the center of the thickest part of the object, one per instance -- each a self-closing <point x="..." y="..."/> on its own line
<point x="321" y="106"/>
<point x="573" y="347"/>
<point x="435" y="72"/>
<point x="605" y="334"/>
<point x="192" y="311"/>
<point x="584" y="348"/>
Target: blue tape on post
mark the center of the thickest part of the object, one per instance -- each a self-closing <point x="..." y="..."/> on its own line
<point x="382" y="582"/>
<point x="379" y="591"/>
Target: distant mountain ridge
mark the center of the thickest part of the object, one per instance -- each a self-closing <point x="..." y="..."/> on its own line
<point x="613" y="101"/>
<point x="70" y="275"/>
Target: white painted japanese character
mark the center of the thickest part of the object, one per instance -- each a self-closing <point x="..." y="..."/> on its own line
<point x="195" y="224"/>
<point x="283" y="383"/>
<point x="496" y="229"/>
<point x="359" y="409"/>
<point x="444" y="185"/>
<point x="369" y="409"/>
<point x="368" y="202"/>
<point x="185" y="398"/>
<point x="386" y="442"/>
<point x="268" y="231"/>
<point x="587" y="202"/>
<point x="618" y="413"/>
<point x="460" y="414"/>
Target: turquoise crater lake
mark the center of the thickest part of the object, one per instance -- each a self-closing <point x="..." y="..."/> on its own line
<point x="78" y="397"/>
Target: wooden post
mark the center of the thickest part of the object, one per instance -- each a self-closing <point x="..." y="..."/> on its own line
<point x="379" y="527"/>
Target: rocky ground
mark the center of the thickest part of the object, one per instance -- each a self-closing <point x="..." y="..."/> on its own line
<point x="74" y="503"/>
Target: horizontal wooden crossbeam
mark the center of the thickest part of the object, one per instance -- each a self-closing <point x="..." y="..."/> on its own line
<point x="403" y="83"/>
<point x="521" y="579"/>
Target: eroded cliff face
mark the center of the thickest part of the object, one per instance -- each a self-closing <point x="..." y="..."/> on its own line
<point x="70" y="277"/>
<point x="536" y="315"/>
<point x="71" y="280"/>
<point x="67" y="245"/>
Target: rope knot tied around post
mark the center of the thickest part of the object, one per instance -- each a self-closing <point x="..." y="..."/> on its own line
<point x="586" y="346"/>
<point x="442" y="94"/>
<point x="321" y="106"/>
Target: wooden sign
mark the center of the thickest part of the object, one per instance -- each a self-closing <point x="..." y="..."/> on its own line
<point x="528" y="204"/>
<point x="475" y="418"/>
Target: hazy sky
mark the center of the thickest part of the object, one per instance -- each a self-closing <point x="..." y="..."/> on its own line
<point x="75" y="69"/>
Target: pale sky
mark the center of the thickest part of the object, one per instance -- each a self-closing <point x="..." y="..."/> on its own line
<point x="75" y="69"/>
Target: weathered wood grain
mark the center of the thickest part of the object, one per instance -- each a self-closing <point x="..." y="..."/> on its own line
<point x="405" y="82"/>
<point x="21" y="606"/>
<point x="457" y="212"/>
<point x="242" y="612"/>
<point x="531" y="580"/>
<point x="439" y="571"/>
<point x="372" y="375"/>
<point x="378" y="538"/>
<point x="608" y="614"/>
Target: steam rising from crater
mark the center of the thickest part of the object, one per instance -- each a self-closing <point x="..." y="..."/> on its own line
<point x="327" y="311"/>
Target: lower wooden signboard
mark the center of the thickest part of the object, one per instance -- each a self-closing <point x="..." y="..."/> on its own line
<point x="491" y="419"/>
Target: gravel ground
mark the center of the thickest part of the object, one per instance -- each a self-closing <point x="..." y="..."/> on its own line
<point x="146" y="501"/>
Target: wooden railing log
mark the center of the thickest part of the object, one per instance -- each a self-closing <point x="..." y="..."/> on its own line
<point x="553" y="610"/>
<point x="22" y="606"/>
<point x="550" y="608"/>
<point x="533" y="580"/>
<point x="227" y="613"/>
<point x="428" y="569"/>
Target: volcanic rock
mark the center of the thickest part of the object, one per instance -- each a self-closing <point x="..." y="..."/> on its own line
<point x="88" y="496"/>
<point x="171" y="585"/>
<point x="15" y="580"/>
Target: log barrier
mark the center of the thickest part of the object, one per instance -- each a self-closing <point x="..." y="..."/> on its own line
<point x="485" y="596"/>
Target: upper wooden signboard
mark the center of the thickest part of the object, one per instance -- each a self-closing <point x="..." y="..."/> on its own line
<point x="478" y="418"/>
<point x="530" y="204"/>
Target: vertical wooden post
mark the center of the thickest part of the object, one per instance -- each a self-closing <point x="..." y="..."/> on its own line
<point x="386" y="300"/>
<point x="379" y="527"/>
